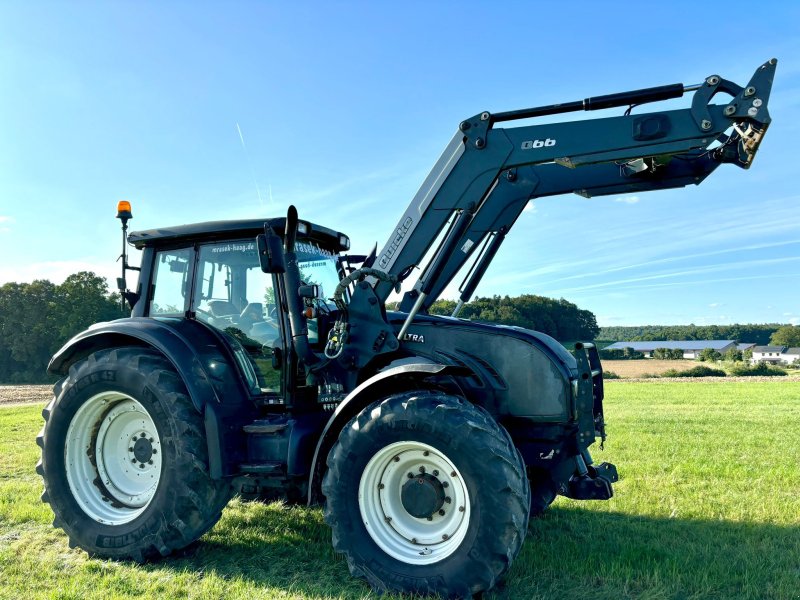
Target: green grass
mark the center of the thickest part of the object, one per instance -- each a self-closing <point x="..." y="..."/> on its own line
<point x="708" y="507"/>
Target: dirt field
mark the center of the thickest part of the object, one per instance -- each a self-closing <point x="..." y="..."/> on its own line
<point x="19" y="394"/>
<point x="637" y="368"/>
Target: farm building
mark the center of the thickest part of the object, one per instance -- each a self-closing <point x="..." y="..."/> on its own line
<point x="775" y="354"/>
<point x="690" y="348"/>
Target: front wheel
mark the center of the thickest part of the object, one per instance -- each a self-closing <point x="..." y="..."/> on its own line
<point x="426" y="493"/>
<point x="124" y="458"/>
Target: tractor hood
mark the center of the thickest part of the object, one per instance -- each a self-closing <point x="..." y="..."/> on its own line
<point x="522" y="372"/>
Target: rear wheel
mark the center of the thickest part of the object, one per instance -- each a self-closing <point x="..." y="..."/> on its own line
<point x="426" y="493"/>
<point x="124" y="458"/>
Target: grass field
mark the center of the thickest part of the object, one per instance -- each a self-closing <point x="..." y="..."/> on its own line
<point x="708" y="507"/>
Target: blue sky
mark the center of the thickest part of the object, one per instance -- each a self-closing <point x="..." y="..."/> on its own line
<point x="343" y="108"/>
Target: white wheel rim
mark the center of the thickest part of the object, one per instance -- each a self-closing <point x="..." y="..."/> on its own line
<point x="401" y="535"/>
<point x="113" y="458"/>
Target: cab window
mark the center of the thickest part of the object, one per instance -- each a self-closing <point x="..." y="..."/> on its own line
<point x="169" y="290"/>
<point x="233" y="295"/>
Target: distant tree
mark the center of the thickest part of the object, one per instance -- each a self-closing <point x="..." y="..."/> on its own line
<point x="747" y="354"/>
<point x="788" y="335"/>
<point x="668" y="353"/>
<point x="560" y="319"/>
<point x="84" y="299"/>
<point x="709" y="355"/>
<point x="443" y="307"/>
<point x="37" y="318"/>
<point x="757" y="334"/>
<point x="734" y="355"/>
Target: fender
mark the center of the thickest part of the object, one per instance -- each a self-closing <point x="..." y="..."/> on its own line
<point x="396" y="379"/>
<point x="203" y="361"/>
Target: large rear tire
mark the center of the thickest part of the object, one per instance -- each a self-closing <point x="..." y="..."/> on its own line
<point x="426" y="493"/>
<point x="124" y="458"/>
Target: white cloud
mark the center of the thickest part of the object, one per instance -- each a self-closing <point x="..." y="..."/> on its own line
<point x="6" y="219"/>
<point x="714" y="305"/>
<point x="530" y="207"/>
<point x="795" y="320"/>
<point x="627" y="199"/>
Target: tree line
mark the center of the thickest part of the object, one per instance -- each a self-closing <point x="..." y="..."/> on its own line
<point x="37" y="318"/>
<point x="757" y="334"/>
<point x="560" y="319"/>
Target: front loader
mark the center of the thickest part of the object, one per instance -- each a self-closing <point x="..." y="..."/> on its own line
<point x="260" y="359"/>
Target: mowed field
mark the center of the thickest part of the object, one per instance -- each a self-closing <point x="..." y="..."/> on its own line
<point x="628" y="369"/>
<point x="708" y="506"/>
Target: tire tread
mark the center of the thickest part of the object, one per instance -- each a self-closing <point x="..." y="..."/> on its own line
<point x="199" y="500"/>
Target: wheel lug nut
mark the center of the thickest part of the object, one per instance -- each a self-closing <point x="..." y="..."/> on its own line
<point x="411" y="476"/>
<point x="396" y="459"/>
<point x="413" y="540"/>
<point x="130" y="449"/>
<point x="445" y="484"/>
<point x="422" y="469"/>
<point x="133" y="460"/>
<point x="149" y="462"/>
<point x="426" y="453"/>
<point x="460" y="509"/>
<point x="435" y="473"/>
<point x="453" y="474"/>
<point x="445" y="536"/>
<point x="155" y="451"/>
<point x="441" y="512"/>
<point x="151" y="440"/>
<point x="142" y="434"/>
<point x="447" y="499"/>
<point x="141" y="465"/>
<point x="381" y="486"/>
<point x="388" y="519"/>
<point x="430" y="518"/>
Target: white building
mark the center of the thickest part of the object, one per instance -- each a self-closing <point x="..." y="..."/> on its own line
<point x="775" y="355"/>
<point x="691" y="348"/>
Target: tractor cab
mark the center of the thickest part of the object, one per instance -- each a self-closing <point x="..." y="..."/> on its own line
<point x="211" y="272"/>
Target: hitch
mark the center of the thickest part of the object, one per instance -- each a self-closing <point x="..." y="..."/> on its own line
<point x="594" y="484"/>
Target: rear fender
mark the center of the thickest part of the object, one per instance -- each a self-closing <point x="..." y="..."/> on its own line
<point x="202" y="360"/>
<point x="391" y="381"/>
<point x="209" y="377"/>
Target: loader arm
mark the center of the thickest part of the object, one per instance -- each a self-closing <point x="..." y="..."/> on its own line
<point x="487" y="174"/>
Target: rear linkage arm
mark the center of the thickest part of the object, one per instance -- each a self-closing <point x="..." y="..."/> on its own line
<point x="487" y="174"/>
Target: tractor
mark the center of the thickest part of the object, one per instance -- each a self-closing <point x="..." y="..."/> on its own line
<point x="260" y="359"/>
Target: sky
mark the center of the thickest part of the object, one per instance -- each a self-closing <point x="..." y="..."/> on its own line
<point x="197" y="111"/>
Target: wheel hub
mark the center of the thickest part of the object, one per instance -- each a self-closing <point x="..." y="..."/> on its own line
<point x="414" y="502"/>
<point x="423" y="496"/>
<point x="143" y="449"/>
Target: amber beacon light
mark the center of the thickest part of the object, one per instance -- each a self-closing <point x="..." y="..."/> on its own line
<point x="124" y="210"/>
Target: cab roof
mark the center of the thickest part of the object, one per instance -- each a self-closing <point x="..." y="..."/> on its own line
<point x="224" y="230"/>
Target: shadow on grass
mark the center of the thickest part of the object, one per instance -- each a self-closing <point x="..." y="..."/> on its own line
<point x="569" y="552"/>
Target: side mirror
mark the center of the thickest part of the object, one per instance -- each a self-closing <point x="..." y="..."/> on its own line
<point x="270" y="251"/>
<point x="311" y="292"/>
